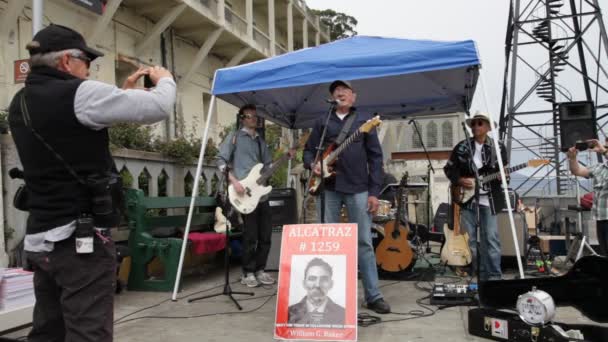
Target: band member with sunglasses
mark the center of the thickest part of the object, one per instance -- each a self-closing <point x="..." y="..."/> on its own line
<point x="242" y="150"/>
<point x="460" y="170"/>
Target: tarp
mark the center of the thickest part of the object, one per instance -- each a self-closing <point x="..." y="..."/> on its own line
<point x="393" y="77"/>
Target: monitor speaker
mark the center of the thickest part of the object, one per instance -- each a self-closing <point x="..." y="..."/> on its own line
<point x="576" y="123"/>
<point x="283" y="211"/>
<point x="506" y="236"/>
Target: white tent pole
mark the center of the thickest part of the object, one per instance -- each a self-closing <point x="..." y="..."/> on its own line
<point x="37" y="13"/>
<point x="199" y="169"/>
<point x="503" y="178"/>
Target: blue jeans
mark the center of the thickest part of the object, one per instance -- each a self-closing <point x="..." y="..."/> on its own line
<point x="356" y="205"/>
<point x="489" y="266"/>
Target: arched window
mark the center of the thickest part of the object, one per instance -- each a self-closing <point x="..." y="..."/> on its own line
<point x="416" y="142"/>
<point x="447" y="134"/>
<point x="431" y="136"/>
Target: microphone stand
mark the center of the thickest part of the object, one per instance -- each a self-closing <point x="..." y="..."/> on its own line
<point x="317" y="157"/>
<point x="476" y="198"/>
<point x="429" y="170"/>
<point x="227" y="289"/>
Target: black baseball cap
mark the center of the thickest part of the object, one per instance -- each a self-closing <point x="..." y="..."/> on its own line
<point x="57" y="38"/>
<point x="337" y="83"/>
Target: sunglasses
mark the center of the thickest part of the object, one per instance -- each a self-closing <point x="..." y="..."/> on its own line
<point x="83" y="58"/>
<point x="477" y="123"/>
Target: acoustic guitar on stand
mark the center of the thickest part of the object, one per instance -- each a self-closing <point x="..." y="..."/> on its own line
<point x="394" y="253"/>
<point x="330" y="156"/>
<point x="255" y="183"/>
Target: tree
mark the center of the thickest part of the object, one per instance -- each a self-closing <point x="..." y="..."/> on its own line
<point x="340" y="25"/>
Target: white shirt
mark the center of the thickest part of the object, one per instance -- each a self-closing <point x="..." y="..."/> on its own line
<point x="312" y="308"/>
<point x="341" y="116"/>
<point x="478" y="160"/>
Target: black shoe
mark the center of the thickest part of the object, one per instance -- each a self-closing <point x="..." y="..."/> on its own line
<point x="379" y="306"/>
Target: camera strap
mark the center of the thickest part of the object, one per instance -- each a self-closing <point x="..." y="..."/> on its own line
<point x="28" y="123"/>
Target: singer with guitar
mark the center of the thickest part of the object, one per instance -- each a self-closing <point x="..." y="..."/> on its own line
<point x="357" y="182"/>
<point x="241" y="150"/>
<point x="460" y="171"/>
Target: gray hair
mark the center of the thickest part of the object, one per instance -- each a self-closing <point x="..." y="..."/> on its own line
<point x="50" y="59"/>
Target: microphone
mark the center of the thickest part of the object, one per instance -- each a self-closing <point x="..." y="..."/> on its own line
<point x="332" y="101"/>
<point x="15" y="173"/>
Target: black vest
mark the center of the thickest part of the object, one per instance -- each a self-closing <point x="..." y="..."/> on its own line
<point x="55" y="196"/>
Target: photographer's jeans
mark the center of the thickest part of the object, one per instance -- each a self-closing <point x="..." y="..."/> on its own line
<point x="356" y="205"/>
<point x="74" y="293"/>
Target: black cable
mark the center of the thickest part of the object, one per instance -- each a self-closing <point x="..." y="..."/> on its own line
<point x="166" y="300"/>
<point x="203" y="315"/>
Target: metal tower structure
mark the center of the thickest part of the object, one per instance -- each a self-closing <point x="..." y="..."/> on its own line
<point x="556" y="51"/>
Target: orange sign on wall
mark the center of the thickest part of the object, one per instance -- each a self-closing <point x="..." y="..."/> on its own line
<point x="22" y="68"/>
<point x="317" y="293"/>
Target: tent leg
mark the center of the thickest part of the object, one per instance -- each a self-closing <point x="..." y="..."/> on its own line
<point x="199" y="169"/>
<point x="505" y="186"/>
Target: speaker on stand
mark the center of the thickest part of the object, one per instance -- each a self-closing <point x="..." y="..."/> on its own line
<point x="576" y="123"/>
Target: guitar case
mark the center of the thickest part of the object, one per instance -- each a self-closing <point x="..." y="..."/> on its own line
<point x="506" y="326"/>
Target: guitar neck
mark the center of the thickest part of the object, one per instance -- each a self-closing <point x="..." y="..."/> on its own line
<point x="343" y="146"/>
<point x="271" y="170"/>
<point x="496" y="175"/>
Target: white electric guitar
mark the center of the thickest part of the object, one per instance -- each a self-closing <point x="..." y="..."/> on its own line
<point x="255" y="183"/>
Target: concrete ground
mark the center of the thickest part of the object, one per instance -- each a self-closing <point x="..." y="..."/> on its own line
<point x="217" y="319"/>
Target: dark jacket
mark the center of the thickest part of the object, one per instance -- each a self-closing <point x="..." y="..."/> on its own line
<point x="55" y="197"/>
<point x="461" y="164"/>
<point x="334" y="313"/>
<point x="359" y="167"/>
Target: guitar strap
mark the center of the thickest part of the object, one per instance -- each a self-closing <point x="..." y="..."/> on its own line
<point x="346" y="128"/>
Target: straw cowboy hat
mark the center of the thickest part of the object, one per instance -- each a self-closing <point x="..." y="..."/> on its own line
<point x="479" y="116"/>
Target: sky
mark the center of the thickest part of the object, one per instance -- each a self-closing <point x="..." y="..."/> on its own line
<point x="484" y="21"/>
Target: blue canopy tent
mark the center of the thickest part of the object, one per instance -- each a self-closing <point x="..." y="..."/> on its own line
<point x="393" y="77"/>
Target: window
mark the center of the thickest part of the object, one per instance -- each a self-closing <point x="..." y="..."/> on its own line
<point x="447" y="134"/>
<point x="431" y="134"/>
<point x="416" y="142"/>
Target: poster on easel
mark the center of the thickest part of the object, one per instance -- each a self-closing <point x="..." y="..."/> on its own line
<point x="317" y="292"/>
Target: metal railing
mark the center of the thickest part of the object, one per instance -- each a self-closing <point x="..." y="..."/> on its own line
<point x="262" y="39"/>
<point x="235" y="21"/>
<point x="279" y="49"/>
<point x="210" y="5"/>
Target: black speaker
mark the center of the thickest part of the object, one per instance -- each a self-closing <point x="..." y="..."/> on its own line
<point x="576" y="123"/>
<point x="282" y="204"/>
<point x="283" y="210"/>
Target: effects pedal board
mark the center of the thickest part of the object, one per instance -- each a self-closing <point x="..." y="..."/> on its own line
<point x="454" y="294"/>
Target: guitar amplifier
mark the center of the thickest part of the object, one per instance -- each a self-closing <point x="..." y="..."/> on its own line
<point x="506" y="236"/>
<point x="283" y="210"/>
<point x="283" y="207"/>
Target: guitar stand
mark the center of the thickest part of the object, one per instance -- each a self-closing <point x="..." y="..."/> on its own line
<point x="577" y="246"/>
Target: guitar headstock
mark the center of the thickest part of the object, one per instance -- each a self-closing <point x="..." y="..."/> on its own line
<point x="302" y="141"/>
<point x="370" y="124"/>
<point x="538" y="162"/>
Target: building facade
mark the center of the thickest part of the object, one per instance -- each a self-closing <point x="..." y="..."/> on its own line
<point x="191" y="38"/>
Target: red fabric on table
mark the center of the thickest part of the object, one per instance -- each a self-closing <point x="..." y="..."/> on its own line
<point x="207" y="242"/>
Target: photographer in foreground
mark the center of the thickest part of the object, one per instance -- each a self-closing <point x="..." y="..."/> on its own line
<point x="59" y="122"/>
<point x="599" y="173"/>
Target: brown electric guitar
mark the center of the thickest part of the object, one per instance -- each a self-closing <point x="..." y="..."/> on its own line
<point x="394" y="253"/>
<point x="330" y="156"/>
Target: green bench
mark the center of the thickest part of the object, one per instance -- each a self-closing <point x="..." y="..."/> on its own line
<point x="152" y="236"/>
